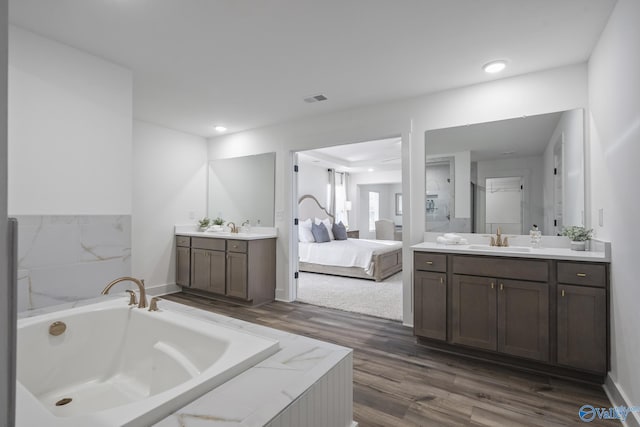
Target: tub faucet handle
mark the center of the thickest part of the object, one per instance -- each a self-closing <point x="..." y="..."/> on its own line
<point x="153" y="304"/>
<point x="132" y="297"/>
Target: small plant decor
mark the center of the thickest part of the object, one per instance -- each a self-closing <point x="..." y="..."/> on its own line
<point x="218" y="221"/>
<point x="577" y="233"/>
<point x="204" y="222"/>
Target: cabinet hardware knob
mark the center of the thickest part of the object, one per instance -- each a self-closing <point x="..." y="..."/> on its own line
<point x="581" y="274"/>
<point x="429" y="262"/>
<point x="492" y="285"/>
<point x="562" y="293"/>
<point x="501" y="286"/>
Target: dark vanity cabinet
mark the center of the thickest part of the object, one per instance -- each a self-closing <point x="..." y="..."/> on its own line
<point x="183" y="260"/>
<point x="239" y="270"/>
<point x="582" y="315"/>
<point x="430" y="293"/>
<point x="541" y="314"/>
<point x="501" y="304"/>
<point x="208" y="260"/>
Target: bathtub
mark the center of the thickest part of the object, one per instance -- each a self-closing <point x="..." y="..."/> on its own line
<point x="116" y="365"/>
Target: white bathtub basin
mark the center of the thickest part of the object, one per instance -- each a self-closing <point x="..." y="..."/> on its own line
<point x="500" y="248"/>
<point x="124" y="366"/>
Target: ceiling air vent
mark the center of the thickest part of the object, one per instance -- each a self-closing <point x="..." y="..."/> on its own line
<point x="315" y="98"/>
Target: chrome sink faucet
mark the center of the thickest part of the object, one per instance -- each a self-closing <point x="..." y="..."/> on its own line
<point x="498" y="240"/>
<point x="140" y="283"/>
<point x="233" y="227"/>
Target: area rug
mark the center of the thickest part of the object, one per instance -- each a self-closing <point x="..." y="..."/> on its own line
<point x="381" y="299"/>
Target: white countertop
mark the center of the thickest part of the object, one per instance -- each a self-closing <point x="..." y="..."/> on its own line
<point x="542" y="253"/>
<point x="256" y="233"/>
<point x="260" y="393"/>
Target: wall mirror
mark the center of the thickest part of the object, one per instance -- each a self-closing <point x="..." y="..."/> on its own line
<point x="509" y="174"/>
<point x="243" y="188"/>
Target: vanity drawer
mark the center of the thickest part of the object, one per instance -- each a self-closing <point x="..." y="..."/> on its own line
<point x="210" y="243"/>
<point x="427" y="261"/>
<point x="236" y="245"/>
<point x="183" y="241"/>
<point x="582" y="273"/>
<point x="523" y="269"/>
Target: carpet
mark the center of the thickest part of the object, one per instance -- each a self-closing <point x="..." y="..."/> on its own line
<point x="380" y="299"/>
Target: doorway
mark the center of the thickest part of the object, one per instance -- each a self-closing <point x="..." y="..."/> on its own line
<point x="558" y="188"/>
<point x="338" y="184"/>
<point x="504" y="204"/>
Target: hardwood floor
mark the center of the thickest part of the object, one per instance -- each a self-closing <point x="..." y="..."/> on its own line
<point x="400" y="383"/>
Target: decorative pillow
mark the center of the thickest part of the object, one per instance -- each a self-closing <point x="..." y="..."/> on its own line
<point x="320" y="233"/>
<point x="304" y="231"/>
<point x="340" y="231"/>
<point x="327" y="225"/>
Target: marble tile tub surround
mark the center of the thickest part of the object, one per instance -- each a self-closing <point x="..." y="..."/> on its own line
<point x="66" y="258"/>
<point x="553" y="247"/>
<point x="267" y="392"/>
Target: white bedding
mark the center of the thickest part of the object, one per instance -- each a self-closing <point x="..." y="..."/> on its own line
<point x="346" y="253"/>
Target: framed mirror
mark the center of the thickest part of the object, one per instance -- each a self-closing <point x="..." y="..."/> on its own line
<point x="242" y="188"/>
<point x="510" y="174"/>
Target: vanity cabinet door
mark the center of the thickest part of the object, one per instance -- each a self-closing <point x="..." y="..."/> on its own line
<point x="217" y="269"/>
<point x="200" y="271"/>
<point x="237" y="275"/>
<point x="183" y="266"/>
<point x="430" y="309"/>
<point x="208" y="270"/>
<point x="473" y="307"/>
<point x="523" y="319"/>
<point x="582" y="328"/>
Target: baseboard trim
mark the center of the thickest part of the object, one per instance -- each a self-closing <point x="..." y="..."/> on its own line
<point x="167" y="288"/>
<point x="618" y="398"/>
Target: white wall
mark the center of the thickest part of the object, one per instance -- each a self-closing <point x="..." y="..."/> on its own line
<point x="536" y="93"/>
<point x="313" y="180"/>
<point x="614" y="85"/>
<point x="69" y="130"/>
<point x="169" y="184"/>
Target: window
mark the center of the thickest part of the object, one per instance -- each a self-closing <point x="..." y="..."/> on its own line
<point x="341" y="198"/>
<point x="374" y="209"/>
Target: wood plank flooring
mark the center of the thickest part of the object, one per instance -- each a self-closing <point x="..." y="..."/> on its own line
<point x="398" y="382"/>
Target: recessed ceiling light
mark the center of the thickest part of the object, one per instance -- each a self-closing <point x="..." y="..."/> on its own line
<point x="220" y="128"/>
<point x="494" y="66"/>
<point x="370" y="169"/>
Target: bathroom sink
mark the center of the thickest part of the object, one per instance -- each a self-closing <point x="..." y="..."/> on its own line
<point x="500" y="248"/>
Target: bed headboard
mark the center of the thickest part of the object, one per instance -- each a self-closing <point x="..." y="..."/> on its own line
<point x="309" y="207"/>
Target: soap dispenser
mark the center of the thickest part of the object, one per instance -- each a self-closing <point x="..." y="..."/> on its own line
<point x="536" y="235"/>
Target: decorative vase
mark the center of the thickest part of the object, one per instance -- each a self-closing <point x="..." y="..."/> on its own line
<point x="578" y="246"/>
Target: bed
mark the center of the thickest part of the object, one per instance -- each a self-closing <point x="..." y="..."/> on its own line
<point x="359" y="258"/>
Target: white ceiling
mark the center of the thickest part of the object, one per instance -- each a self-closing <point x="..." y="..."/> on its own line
<point x="379" y="155"/>
<point x="520" y="137"/>
<point x="246" y="64"/>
